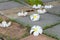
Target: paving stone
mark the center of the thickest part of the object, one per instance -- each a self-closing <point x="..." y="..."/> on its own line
<point x="3" y="0"/>
<point x="24" y="3"/>
<point x="40" y="37"/>
<point x="55" y="10"/>
<point x="8" y="5"/>
<point x="54" y="31"/>
<point x="48" y="0"/>
<point x="54" y="3"/>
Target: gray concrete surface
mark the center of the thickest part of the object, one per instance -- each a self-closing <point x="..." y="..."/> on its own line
<point x="4" y="0"/>
<point x="55" y="10"/>
<point x="54" y="31"/>
<point x="48" y="0"/>
<point x="8" y="5"/>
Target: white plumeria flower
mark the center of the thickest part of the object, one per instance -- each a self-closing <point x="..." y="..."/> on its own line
<point x="22" y="13"/>
<point x="35" y="17"/>
<point x="36" y="6"/>
<point x="5" y="24"/>
<point x="48" y="6"/>
<point x="41" y="11"/>
<point x="36" y="30"/>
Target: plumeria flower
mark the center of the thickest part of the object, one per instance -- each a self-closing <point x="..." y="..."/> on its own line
<point x="41" y="11"/>
<point x="35" y="17"/>
<point x="48" y="6"/>
<point x="36" y="6"/>
<point x="5" y="24"/>
<point x="22" y="13"/>
<point x="36" y="30"/>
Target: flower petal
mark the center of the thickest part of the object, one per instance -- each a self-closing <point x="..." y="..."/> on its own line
<point x="34" y="6"/>
<point x="31" y="17"/>
<point x="33" y="27"/>
<point x="41" y="11"/>
<point x="36" y="33"/>
<point x="39" y="6"/>
<point x="19" y="14"/>
<point x="25" y="13"/>
<point x="40" y="31"/>
<point x="8" y="24"/>
<point x="0" y="25"/>
<point x="4" y="23"/>
<point x="31" y="31"/>
<point x="48" y="6"/>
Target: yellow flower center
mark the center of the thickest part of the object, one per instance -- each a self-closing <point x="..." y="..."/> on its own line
<point x="35" y="17"/>
<point x="35" y="29"/>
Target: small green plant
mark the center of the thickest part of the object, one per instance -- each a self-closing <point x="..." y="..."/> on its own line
<point x="25" y="35"/>
<point x="32" y="2"/>
<point x="28" y="28"/>
<point x="1" y="19"/>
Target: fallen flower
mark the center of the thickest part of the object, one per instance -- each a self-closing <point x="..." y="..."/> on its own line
<point x="36" y="30"/>
<point x="36" y="6"/>
<point x="41" y="11"/>
<point x="48" y="6"/>
<point x="22" y="13"/>
<point x="35" y="17"/>
<point x="5" y="24"/>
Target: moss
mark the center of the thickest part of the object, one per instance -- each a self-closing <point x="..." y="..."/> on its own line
<point x="15" y="1"/>
<point x="52" y="36"/>
<point x="25" y="35"/>
<point x="1" y="19"/>
<point x="32" y="2"/>
<point x="28" y="28"/>
<point x="50" y="26"/>
<point x="21" y="24"/>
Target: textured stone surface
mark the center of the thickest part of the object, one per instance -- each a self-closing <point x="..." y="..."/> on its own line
<point x="48" y="0"/>
<point x="55" y="10"/>
<point x="54" y="3"/>
<point x="3" y="0"/>
<point x="8" y="5"/>
<point x="54" y="31"/>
